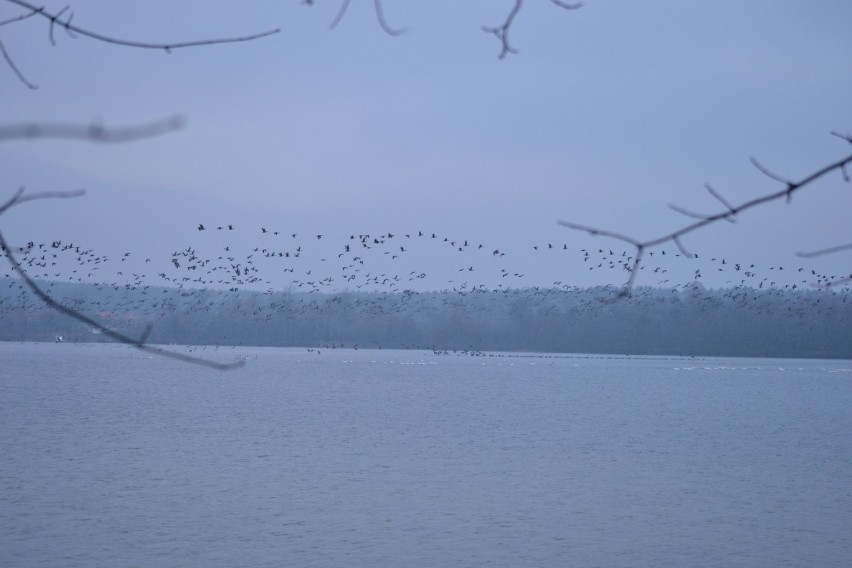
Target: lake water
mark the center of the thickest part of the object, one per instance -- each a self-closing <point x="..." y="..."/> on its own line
<point x="403" y="458"/>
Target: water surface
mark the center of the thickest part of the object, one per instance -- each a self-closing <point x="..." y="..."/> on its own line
<point x="406" y="458"/>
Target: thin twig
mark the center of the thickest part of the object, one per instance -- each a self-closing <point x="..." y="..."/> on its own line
<point x="92" y="132"/>
<point x="687" y="212"/>
<point x="99" y="134"/>
<point x="54" y="20"/>
<point x="722" y="200"/>
<point x="340" y="13"/>
<point x="21" y="17"/>
<point x="602" y="232"/>
<point x="502" y="31"/>
<point x="703" y="221"/>
<point x="380" y="16"/>
<point x="790" y="185"/>
<point x="17" y="198"/>
<point x="107" y="331"/>
<point x="683" y="211"/>
<point x="15" y="69"/>
<point x="824" y="251"/>
<point x="847" y="137"/>
<point x="566" y="5"/>
<point x="680" y="246"/>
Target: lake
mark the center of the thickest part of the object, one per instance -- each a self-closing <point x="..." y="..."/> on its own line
<point x="111" y="457"/>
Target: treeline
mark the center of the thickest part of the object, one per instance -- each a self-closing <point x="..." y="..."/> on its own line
<point x="684" y="320"/>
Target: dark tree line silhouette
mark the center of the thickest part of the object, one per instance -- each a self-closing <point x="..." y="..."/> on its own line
<point x="681" y="320"/>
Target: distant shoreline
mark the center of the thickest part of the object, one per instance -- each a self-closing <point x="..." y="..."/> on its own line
<point x="442" y="353"/>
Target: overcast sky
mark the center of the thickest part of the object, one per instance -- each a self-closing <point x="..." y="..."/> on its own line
<point x="606" y="115"/>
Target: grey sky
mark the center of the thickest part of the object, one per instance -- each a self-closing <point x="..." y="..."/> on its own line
<point x="607" y="114"/>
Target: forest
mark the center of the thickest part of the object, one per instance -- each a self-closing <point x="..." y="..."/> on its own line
<point x="682" y="320"/>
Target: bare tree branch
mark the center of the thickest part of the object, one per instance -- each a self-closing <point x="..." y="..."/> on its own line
<point x="92" y="132"/>
<point x="704" y="220"/>
<point x="722" y="200"/>
<point x="730" y="218"/>
<point x="680" y="246"/>
<point x="139" y="343"/>
<point x="15" y="69"/>
<point x="771" y="175"/>
<point x="567" y="5"/>
<point x="380" y="17"/>
<point x="687" y="212"/>
<point x="18" y="197"/>
<point x="502" y="31"/>
<point x="65" y="21"/>
<point x="847" y="137"/>
<point x="21" y="17"/>
<point x="602" y="232"/>
<point x="344" y="5"/>
<point x="55" y="20"/>
<point x="830" y="250"/>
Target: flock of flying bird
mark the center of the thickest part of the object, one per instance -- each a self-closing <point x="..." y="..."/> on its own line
<point x="375" y="262"/>
<point x="318" y="269"/>
<point x="290" y="261"/>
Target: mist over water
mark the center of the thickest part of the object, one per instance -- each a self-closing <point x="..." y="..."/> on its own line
<point x="379" y="457"/>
